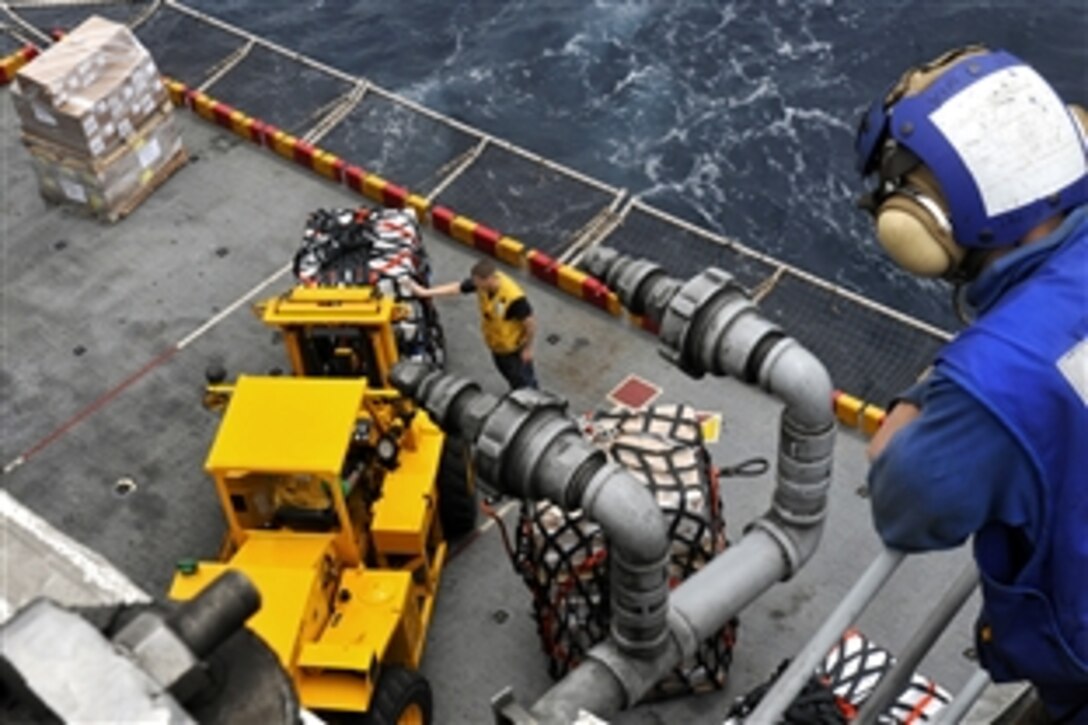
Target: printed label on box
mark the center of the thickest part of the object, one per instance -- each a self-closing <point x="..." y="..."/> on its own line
<point x="96" y="145"/>
<point x="150" y="153"/>
<point x="73" y="191"/>
<point x="42" y="114"/>
<point x="90" y="125"/>
<point x="124" y="128"/>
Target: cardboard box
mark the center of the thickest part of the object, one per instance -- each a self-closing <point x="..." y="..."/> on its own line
<point x="109" y="186"/>
<point x="89" y="91"/>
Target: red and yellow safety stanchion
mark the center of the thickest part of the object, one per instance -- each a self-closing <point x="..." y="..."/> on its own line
<point x="10" y="64"/>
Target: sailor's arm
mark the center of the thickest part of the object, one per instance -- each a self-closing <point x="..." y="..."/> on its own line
<point x="944" y="470"/>
<point x="443" y="290"/>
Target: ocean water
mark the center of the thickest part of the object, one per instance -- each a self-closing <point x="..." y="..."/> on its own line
<point x="737" y="115"/>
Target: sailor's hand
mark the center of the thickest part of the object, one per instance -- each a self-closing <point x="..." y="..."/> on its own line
<point x="413" y="287"/>
<point x="526" y="354"/>
<point x="899" y="417"/>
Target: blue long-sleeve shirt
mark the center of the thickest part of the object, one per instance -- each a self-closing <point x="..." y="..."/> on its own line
<point x="956" y="467"/>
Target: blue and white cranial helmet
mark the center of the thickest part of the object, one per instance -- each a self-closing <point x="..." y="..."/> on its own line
<point x="1006" y="151"/>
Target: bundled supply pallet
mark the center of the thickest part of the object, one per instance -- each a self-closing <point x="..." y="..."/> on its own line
<point x="97" y="120"/>
<point x="112" y="185"/>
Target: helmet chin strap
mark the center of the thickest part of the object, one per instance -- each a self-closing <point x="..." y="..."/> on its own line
<point x="961" y="275"/>
<point x="964" y="312"/>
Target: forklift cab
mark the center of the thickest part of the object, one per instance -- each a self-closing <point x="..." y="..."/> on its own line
<point x="338" y="332"/>
<point x="278" y="460"/>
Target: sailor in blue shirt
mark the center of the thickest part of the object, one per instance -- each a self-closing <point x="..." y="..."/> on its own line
<point x="983" y="180"/>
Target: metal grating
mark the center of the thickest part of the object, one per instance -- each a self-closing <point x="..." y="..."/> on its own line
<point x="171" y="37"/>
<point x="868" y="354"/>
<point x="262" y="80"/>
<point x="541" y="206"/>
<point x="681" y="252"/>
<point x="397" y="143"/>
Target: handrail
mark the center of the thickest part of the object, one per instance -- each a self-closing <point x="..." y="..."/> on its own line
<point x="789" y="684"/>
<point x="894" y="681"/>
<point x="800" y="670"/>
<point x="954" y="712"/>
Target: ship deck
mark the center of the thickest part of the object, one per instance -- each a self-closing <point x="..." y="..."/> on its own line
<point x="105" y="334"/>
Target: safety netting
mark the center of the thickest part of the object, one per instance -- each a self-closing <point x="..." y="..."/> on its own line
<point x="865" y="353"/>
<point x="682" y="251"/>
<point x="9" y="41"/>
<point x="185" y="48"/>
<point x="263" y="78"/>
<point x="47" y="17"/>
<point x="413" y="149"/>
<point x="532" y="201"/>
<point x="562" y="556"/>
<point x="871" y="352"/>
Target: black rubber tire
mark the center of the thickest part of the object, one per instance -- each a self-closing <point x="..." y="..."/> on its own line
<point x="399" y="689"/>
<point x="457" y="506"/>
<point x="435" y="335"/>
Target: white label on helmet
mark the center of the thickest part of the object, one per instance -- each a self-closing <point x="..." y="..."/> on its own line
<point x="1015" y="136"/>
<point x="1074" y="367"/>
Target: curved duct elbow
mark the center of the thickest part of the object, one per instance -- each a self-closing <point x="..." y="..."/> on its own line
<point x="527" y="446"/>
<point x="638" y="550"/>
<point x="800" y="380"/>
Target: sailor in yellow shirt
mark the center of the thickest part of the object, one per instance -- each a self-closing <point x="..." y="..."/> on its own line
<point x="506" y="319"/>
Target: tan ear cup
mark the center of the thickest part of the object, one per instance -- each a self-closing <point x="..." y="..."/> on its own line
<point x="913" y="227"/>
<point x="1081" y="114"/>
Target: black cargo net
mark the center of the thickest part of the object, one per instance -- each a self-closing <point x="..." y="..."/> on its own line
<point x="392" y="140"/>
<point x="381" y="249"/>
<point x="185" y="48"/>
<point x="542" y="207"/>
<point x="867" y="355"/>
<point x="681" y="252"/>
<point x="563" y="556"/>
<point x="264" y="78"/>
<point x="842" y="683"/>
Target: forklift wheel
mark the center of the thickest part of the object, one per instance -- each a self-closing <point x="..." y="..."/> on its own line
<point x="403" y="697"/>
<point x="436" y="336"/>
<point x="457" y="508"/>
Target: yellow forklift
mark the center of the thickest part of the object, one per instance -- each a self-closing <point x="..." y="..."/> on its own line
<point x="339" y="497"/>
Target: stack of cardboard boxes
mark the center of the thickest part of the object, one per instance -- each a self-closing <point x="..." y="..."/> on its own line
<point x="97" y="120"/>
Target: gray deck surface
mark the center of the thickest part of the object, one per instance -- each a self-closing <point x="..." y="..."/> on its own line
<point x="86" y="305"/>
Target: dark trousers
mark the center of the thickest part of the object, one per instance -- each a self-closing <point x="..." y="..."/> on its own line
<point x="518" y="373"/>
